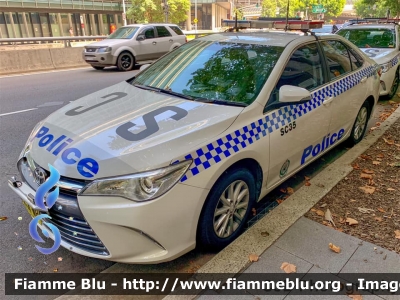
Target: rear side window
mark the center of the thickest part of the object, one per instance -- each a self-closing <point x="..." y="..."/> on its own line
<point x="177" y="30"/>
<point x="337" y="57"/>
<point x="162" y="31"/>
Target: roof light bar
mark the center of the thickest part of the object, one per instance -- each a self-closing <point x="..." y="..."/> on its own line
<point x="276" y="23"/>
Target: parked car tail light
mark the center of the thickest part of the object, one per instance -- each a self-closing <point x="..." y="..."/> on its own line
<point x="380" y="71"/>
<point x="185" y="39"/>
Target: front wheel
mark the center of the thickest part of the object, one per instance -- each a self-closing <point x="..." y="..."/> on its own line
<point x="227" y="208"/>
<point x="360" y="124"/>
<point x="125" y="61"/>
<point x="395" y="86"/>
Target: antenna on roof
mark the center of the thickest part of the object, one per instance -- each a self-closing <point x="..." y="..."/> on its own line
<point x="287" y="17"/>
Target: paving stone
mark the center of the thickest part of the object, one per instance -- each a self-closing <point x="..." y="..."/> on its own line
<point x="367" y="260"/>
<point x="309" y="240"/>
<point x="271" y="261"/>
<point x="341" y="295"/>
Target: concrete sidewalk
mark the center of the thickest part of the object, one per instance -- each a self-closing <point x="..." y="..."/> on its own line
<point x="305" y="245"/>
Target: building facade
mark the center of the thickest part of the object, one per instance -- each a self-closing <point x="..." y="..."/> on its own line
<point x="52" y="18"/>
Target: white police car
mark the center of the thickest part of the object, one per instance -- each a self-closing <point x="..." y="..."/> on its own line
<point x="381" y="42"/>
<point x="182" y="152"/>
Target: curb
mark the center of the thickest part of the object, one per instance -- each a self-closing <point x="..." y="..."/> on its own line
<point x="234" y="258"/>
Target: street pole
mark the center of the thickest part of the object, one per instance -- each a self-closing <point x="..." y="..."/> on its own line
<point x="124" y="12"/>
<point x="236" y="25"/>
<point x="195" y="16"/>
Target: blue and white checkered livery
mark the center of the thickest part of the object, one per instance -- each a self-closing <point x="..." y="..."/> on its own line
<point x="215" y="152"/>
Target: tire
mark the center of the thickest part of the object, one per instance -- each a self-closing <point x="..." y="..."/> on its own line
<point x="360" y="124"/>
<point x="125" y="61"/>
<point x="212" y="231"/>
<point x="395" y="86"/>
<point x="98" y="68"/>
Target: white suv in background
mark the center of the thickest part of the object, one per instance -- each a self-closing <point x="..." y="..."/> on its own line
<point x="133" y="44"/>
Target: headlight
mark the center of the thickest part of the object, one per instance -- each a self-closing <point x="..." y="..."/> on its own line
<point x="104" y="49"/>
<point x="385" y="67"/>
<point x="30" y="139"/>
<point x="139" y="187"/>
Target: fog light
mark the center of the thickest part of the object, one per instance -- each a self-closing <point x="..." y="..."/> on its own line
<point x="102" y="58"/>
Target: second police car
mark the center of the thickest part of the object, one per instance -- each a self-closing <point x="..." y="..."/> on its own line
<point x="181" y="153"/>
<point x="381" y="42"/>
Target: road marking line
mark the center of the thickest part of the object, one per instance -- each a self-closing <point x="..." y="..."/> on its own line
<point x="42" y="72"/>
<point x="17" y="112"/>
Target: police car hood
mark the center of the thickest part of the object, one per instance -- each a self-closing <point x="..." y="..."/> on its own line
<point x="124" y="129"/>
<point x="380" y="55"/>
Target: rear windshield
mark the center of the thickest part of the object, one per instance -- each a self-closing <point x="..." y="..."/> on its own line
<point x="223" y="71"/>
<point x="176" y="29"/>
<point x="124" y="33"/>
<point x="370" y="37"/>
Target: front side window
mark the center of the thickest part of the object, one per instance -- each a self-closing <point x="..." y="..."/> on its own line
<point x="370" y="37"/>
<point x="304" y="69"/>
<point x="162" y="31"/>
<point x="124" y="33"/>
<point x="337" y="57"/>
<point x="208" y="70"/>
<point x="149" y="33"/>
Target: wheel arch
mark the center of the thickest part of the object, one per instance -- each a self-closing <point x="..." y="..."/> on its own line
<point x="122" y="50"/>
<point x="247" y="163"/>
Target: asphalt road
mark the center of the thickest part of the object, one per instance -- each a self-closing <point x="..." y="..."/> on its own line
<point x="44" y="93"/>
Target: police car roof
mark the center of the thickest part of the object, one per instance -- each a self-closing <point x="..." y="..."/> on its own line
<point x="367" y="26"/>
<point x="271" y="38"/>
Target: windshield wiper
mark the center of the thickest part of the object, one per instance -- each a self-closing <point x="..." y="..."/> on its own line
<point x="151" y="88"/>
<point x="222" y="102"/>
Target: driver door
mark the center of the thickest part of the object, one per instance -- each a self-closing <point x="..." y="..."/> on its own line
<point x="147" y="49"/>
<point x="298" y="130"/>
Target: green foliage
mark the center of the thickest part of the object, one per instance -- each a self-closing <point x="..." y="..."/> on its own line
<point x="334" y="7"/>
<point x="363" y="6"/>
<point x="147" y="11"/>
<point x="365" y="10"/>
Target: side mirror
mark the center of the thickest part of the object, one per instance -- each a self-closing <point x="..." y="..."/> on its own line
<point x="291" y="93"/>
<point x="144" y="67"/>
<point x="140" y="37"/>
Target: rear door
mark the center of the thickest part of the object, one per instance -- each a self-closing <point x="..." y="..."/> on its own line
<point x="348" y="85"/>
<point x="298" y="131"/>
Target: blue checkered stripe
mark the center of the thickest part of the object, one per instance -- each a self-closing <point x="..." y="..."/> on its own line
<point x="213" y="153"/>
<point x="395" y="60"/>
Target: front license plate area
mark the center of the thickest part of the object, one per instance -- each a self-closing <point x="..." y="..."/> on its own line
<point x="32" y="212"/>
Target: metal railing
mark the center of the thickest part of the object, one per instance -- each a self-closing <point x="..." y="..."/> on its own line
<point x="67" y="39"/>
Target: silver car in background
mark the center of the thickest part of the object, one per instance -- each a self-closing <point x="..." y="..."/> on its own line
<point x="134" y="44"/>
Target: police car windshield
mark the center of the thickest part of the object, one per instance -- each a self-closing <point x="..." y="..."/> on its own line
<point x="208" y="70"/>
<point x="124" y="33"/>
<point x="370" y="37"/>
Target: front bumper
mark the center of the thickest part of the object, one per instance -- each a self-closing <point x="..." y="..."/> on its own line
<point x="150" y="232"/>
<point x="99" y="59"/>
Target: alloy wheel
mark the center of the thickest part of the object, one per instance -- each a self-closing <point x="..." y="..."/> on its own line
<point x="361" y="123"/>
<point x="231" y="209"/>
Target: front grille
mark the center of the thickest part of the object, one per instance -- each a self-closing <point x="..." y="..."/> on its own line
<point x="66" y="214"/>
<point x="91" y="49"/>
<point x="77" y="232"/>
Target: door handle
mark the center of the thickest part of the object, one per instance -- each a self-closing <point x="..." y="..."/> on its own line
<point x="171" y="40"/>
<point x="364" y="79"/>
<point x="154" y="43"/>
<point x="327" y="100"/>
